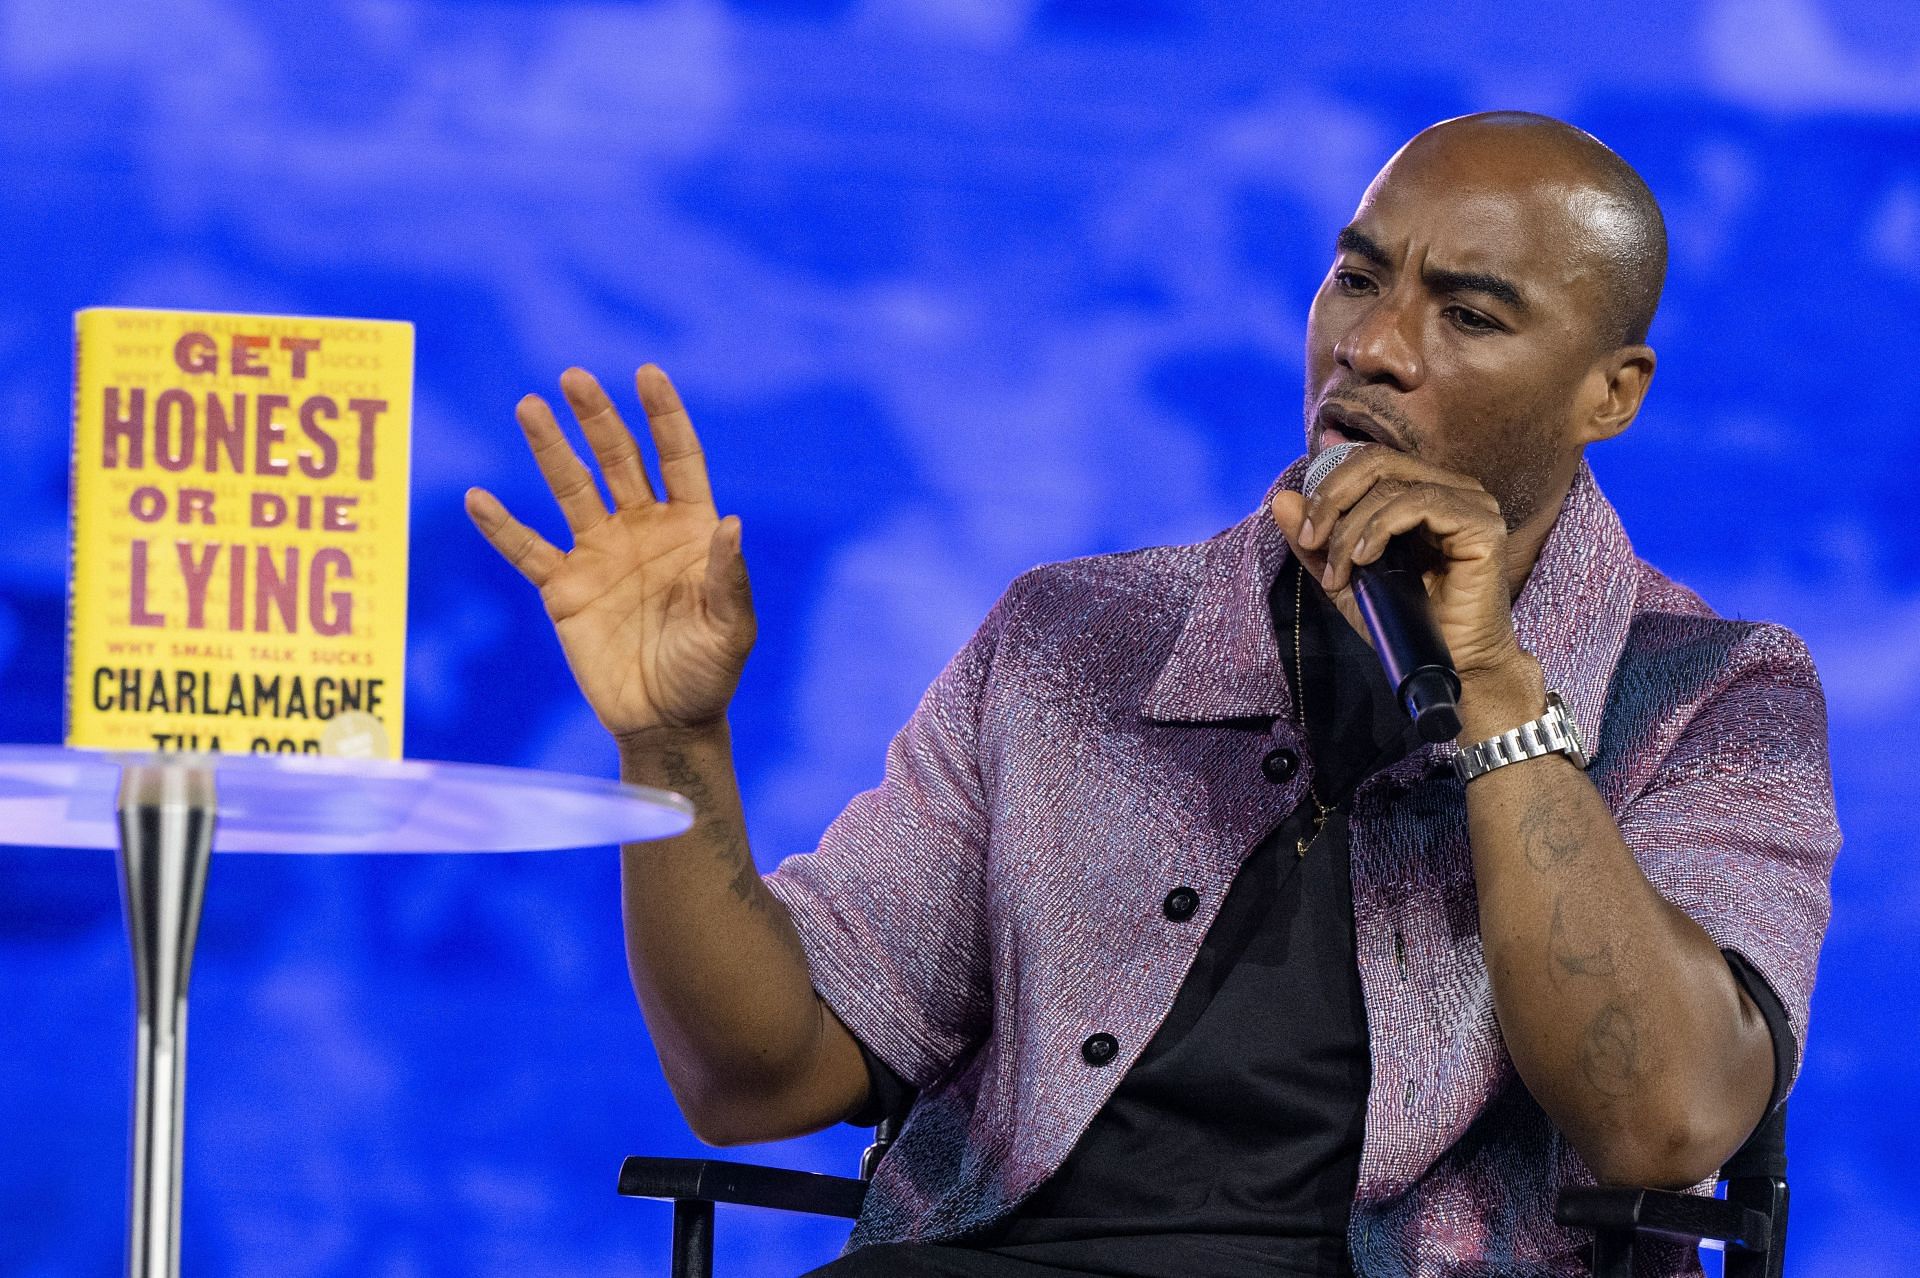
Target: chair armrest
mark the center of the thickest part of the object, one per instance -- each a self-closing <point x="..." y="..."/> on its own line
<point x="715" y="1181"/>
<point x="1688" y="1217"/>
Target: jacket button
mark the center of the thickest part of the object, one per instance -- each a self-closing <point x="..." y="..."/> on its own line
<point x="1180" y="904"/>
<point x="1280" y="765"/>
<point x="1099" y="1049"/>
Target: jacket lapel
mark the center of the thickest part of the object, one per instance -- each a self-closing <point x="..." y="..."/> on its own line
<point x="1226" y="663"/>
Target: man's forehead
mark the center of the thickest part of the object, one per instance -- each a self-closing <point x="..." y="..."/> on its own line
<point x="1532" y="188"/>
<point x="1521" y="229"/>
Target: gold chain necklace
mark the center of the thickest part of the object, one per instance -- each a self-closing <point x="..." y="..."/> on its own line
<point x="1321" y="810"/>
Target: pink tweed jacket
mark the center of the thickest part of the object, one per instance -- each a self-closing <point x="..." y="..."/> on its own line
<point x="997" y="898"/>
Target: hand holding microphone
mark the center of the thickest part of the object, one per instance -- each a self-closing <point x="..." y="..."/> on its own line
<point x="1414" y="556"/>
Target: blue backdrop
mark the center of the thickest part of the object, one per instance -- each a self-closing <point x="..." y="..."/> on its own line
<point x="953" y="287"/>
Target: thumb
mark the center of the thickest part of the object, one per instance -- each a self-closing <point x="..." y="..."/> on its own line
<point x="729" y="596"/>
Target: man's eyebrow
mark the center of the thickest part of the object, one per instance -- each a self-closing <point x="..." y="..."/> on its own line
<point x="1360" y="244"/>
<point x="1444" y="281"/>
<point x="1355" y="241"/>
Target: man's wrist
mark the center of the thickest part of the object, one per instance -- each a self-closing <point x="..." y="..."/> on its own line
<point x="641" y="751"/>
<point x="1501" y="698"/>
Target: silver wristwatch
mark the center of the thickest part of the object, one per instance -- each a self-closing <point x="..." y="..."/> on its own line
<point x="1552" y="733"/>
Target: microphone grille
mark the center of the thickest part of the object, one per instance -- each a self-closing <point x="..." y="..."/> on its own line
<point x="1323" y="465"/>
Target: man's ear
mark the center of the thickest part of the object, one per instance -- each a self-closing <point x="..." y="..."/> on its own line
<point x="1614" y="389"/>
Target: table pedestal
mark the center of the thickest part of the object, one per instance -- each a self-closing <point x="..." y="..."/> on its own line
<point x="166" y="840"/>
<point x="165" y="828"/>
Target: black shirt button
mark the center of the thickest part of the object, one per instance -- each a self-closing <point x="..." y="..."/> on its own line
<point x="1099" y="1049"/>
<point x="1180" y="904"/>
<point x="1280" y="765"/>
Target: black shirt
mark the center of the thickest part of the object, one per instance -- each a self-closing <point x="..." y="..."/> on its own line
<point x="1233" y="1144"/>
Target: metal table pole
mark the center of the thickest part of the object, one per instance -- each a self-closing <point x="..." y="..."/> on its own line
<point x="166" y="815"/>
<point x="52" y="796"/>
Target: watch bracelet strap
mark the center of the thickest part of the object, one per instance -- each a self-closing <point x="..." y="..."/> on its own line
<point x="1531" y="740"/>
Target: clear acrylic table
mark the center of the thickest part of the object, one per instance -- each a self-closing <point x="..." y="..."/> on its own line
<point x="166" y="813"/>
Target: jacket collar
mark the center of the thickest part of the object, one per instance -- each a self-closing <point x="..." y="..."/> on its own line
<point x="1226" y="662"/>
<point x="1572" y="614"/>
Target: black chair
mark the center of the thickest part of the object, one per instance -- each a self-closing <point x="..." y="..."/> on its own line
<point x="1751" y="1221"/>
<point x="694" y="1185"/>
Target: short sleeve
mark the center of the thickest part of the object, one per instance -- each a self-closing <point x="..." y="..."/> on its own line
<point x="1786" y="1052"/>
<point x="1736" y="826"/>
<point x="890" y="906"/>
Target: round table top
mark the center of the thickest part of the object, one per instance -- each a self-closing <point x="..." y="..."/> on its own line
<point x="54" y="796"/>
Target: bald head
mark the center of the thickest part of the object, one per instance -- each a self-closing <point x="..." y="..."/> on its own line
<point x="1613" y="222"/>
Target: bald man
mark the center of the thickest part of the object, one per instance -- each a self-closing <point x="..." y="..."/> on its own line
<point x="1179" y="951"/>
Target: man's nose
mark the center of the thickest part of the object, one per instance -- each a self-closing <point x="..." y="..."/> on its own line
<point x="1383" y="346"/>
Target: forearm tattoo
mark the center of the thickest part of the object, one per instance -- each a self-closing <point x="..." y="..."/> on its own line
<point x="1570" y="958"/>
<point x="1548" y="838"/>
<point x="1610" y="1051"/>
<point x="728" y="843"/>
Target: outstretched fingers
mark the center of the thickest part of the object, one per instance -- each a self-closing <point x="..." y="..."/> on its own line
<point x="608" y="436"/>
<point x="683" y="466"/>
<point x="531" y="555"/>
<point x="567" y="476"/>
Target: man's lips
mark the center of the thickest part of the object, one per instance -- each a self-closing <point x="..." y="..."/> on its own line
<point x="1348" y="424"/>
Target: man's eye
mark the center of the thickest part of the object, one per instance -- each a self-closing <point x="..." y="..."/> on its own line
<point x="1472" y="321"/>
<point x="1352" y="281"/>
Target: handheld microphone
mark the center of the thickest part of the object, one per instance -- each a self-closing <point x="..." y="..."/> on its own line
<point x="1393" y="603"/>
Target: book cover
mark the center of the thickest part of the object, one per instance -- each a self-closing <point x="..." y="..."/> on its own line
<point x="239" y="543"/>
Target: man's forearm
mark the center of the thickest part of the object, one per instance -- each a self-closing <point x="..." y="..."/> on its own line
<point x="1620" y="1013"/>
<point x="748" y="1047"/>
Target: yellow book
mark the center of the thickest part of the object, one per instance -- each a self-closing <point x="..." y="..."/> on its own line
<point x="239" y="574"/>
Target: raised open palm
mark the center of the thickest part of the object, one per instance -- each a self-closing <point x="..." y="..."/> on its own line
<point x="651" y="604"/>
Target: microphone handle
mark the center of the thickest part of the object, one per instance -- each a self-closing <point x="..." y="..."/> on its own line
<point x="1393" y="603"/>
